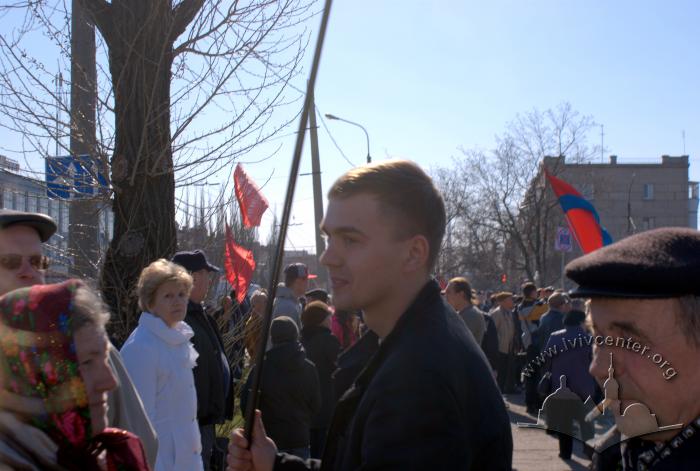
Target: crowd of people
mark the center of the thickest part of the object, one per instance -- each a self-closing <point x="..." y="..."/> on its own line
<point x="389" y="371"/>
<point x="514" y="330"/>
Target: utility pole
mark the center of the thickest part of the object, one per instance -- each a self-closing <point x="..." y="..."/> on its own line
<point x="316" y="179"/>
<point x="83" y="227"/>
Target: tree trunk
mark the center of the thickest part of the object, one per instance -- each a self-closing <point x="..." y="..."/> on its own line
<point x="140" y="57"/>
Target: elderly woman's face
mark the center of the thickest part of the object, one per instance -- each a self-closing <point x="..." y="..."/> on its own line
<point x="91" y="346"/>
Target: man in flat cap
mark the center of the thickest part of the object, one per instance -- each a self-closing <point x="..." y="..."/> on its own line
<point x="212" y="375"/>
<point x="23" y="264"/>
<point x="645" y="308"/>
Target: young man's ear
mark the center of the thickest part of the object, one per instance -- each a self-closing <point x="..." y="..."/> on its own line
<point x="417" y="254"/>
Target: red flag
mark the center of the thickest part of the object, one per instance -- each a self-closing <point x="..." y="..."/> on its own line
<point x="251" y="201"/>
<point x="239" y="265"/>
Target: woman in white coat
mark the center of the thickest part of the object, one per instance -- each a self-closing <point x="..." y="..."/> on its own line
<point x="159" y="358"/>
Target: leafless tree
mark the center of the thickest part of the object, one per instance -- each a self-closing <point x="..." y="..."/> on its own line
<point x="184" y="89"/>
<point x="502" y="214"/>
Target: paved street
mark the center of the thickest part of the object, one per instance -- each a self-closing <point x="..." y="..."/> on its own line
<point x="533" y="449"/>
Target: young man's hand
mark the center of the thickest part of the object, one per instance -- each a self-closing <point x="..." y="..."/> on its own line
<point x="260" y="457"/>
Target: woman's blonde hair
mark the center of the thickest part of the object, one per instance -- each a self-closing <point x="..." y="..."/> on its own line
<point x="154" y="275"/>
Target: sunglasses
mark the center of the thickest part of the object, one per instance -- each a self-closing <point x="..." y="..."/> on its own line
<point x="13" y="261"/>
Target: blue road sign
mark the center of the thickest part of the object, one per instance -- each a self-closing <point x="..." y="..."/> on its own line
<point x="68" y="178"/>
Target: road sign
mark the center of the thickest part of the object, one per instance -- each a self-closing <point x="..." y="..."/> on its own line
<point x="68" y="178"/>
<point x="562" y="242"/>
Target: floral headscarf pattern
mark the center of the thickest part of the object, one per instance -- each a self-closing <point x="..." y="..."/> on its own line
<point x="38" y="360"/>
<point x="36" y="341"/>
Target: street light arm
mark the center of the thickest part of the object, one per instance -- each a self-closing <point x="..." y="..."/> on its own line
<point x="337" y="118"/>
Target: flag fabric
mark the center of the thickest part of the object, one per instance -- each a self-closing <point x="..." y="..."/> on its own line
<point x="239" y="265"/>
<point x="582" y="217"/>
<point x="251" y="201"/>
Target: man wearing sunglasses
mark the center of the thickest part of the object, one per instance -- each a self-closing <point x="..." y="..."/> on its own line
<point x="22" y="264"/>
<point x="21" y="261"/>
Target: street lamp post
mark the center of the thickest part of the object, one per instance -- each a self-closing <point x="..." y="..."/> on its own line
<point x="330" y="116"/>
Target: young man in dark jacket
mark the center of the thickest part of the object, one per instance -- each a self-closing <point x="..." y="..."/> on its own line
<point x="290" y="395"/>
<point x="426" y="399"/>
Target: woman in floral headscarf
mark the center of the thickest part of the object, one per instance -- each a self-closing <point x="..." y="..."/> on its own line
<point x="54" y="379"/>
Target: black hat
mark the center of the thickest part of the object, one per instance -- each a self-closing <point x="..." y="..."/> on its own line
<point x="283" y="329"/>
<point x="44" y="225"/>
<point x="318" y="294"/>
<point x="661" y="263"/>
<point x="193" y="261"/>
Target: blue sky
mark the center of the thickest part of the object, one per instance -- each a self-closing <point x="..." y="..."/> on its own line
<point x="428" y="77"/>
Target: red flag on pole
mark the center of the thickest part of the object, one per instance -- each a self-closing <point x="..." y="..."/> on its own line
<point x="239" y="265"/>
<point x="251" y="201"/>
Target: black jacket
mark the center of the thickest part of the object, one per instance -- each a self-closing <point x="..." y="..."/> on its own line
<point x="322" y="349"/>
<point x="289" y="395"/>
<point x="352" y="361"/>
<point x="213" y="407"/>
<point x="426" y="400"/>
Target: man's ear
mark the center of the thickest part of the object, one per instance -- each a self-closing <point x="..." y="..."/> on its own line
<point x="417" y="253"/>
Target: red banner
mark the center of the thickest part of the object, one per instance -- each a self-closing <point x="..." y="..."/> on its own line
<point x="239" y="265"/>
<point x="251" y="201"/>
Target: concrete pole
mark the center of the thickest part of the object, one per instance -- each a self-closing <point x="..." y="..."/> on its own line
<point x="83" y="227"/>
<point x="317" y="188"/>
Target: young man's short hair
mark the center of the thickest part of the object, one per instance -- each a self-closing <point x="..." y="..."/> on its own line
<point x="406" y="193"/>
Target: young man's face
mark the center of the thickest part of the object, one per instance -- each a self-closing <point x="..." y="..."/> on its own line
<point x="655" y="337"/>
<point x="23" y="241"/>
<point x="364" y="256"/>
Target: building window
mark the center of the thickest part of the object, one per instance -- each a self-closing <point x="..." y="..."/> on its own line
<point x="7" y="199"/>
<point x="43" y="205"/>
<point x="648" y="223"/>
<point x="64" y="216"/>
<point x="32" y="202"/>
<point x="53" y="209"/>
<point x="21" y="201"/>
<point x="648" y="193"/>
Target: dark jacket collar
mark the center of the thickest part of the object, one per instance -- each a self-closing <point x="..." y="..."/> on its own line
<point x="429" y="294"/>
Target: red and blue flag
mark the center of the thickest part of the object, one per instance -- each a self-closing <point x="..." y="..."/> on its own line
<point x="582" y="217"/>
